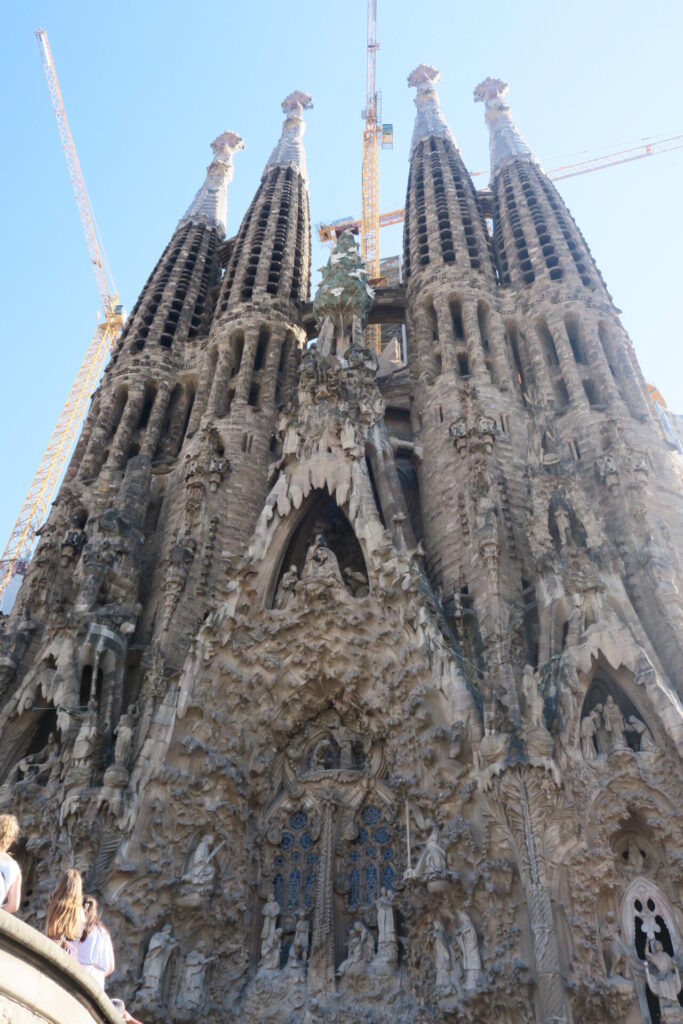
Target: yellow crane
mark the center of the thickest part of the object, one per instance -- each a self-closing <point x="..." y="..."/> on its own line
<point x="374" y="134"/>
<point x="20" y="544"/>
<point x="329" y="232"/>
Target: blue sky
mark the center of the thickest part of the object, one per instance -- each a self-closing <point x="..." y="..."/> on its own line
<point x="148" y="84"/>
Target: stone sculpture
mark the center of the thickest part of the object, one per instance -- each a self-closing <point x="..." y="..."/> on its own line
<point x="614" y="725"/>
<point x="432" y="862"/>
<point x="662" y="974"/>
<point x="191" y="984"/>
<point x="387" y="941"/>
<point x="161" y="946"/>
<point x="469" y="947"/>
<point x="361" y="950"/>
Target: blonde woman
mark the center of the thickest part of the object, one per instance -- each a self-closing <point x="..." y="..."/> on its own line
<point x="65" y="914"/>
<point x="10" y="873"/>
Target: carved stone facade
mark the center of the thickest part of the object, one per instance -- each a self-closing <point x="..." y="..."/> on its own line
<point x="355" y="690"/>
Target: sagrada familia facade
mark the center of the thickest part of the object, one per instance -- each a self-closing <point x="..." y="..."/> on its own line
<point x="352" y="684"/>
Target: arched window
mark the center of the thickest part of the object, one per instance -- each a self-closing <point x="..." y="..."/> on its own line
<point x="647" y="922"/>
<point x="295" y="865"/>
<point x="370" y="859"/>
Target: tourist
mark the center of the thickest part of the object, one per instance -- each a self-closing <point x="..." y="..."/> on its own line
<point x="10" y="873"/>
<point x="95" y="952"/>
<point x="65" y="915"/>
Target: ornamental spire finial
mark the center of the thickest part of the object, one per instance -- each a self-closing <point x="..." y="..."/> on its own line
<point x="289" y="151"/>
<point x="506" y="142"/>
<point x="210" y="205"/>
<point x="429" y="121"/>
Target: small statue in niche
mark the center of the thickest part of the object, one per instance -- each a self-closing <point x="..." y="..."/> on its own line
<point x="432" y="862"/>
<point x="285" y="592"/>
<point x="321" y="563"/>
<point x="124" y="737"/>
<point x="159" y="951"/>
<point x="387" y="941"/>
<point x="360" y="952"/>
<point x="270" y="914"/>
<point x="532" y="699"/>
<point x="588" y="729"/>
<point x="614" y="724"/>
<point x="447" y="970"/>
<point x="201" y="870"/>
<point x="647" y="743"/>
<point x="191" y="984"/>
<point x="469" y="947"/>
<point x="270" y="951"/>
<point x="601" y="733"/>
<point x="614" y="951"/>
<point x="86" y="739"/>
<point x="662" y="975"/>
<point x="298" y="951"/>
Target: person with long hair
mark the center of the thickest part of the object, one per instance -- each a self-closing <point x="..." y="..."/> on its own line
<point x="95" y="951"/>
<point x="65" y="915"/>
<point x="10" y="872"/>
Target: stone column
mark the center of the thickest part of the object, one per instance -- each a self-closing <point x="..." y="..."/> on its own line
<point x="244" y="377"/>
<point x="219" y="385"/>
<point x="269" y="375"/>
<point x="156" y="421"/>
<point x="127" y="427"/>
<point x="445" y="329"/>
<point x="570" y="373"/>
<point x="475" y="349"/>
<point x="598" y="362"/>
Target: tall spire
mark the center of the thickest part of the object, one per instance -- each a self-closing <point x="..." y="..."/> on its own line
<point x="506" y="141"/>
<point x="289" y="151"/>
<point x="210" y="205"/>
<point x="429" y="121"/>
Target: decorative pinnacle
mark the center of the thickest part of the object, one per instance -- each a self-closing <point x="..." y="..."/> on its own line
<point x="429" y="121"/>
<point x="210" y="204"/>
<point x="289" y="151"/>
<point x="506" y="142"/>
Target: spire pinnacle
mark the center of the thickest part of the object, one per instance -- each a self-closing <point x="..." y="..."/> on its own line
<point x="210" y="205"/>
<point x="506" y="142"/>
<point x="429" y="121"/>
<point x="289" y="151"/>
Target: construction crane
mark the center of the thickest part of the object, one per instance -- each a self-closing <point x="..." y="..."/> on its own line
<point x="15" y="557"/>
<point x="374" y="135"/>
<point x="650" y="147"/>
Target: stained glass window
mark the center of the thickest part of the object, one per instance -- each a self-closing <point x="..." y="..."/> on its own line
<point x="295" y="865"/>
<point x="370" y="858"/>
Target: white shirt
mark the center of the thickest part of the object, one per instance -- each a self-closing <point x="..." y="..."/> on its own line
<point x="96" y="954"/>
<point x="10" y="871"/>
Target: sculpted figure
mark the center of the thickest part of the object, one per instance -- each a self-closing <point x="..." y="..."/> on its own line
<point x="201" y="870"/>
<point x="360" y="952"/>
<point x="647" y="743"/>
<point x="601" y="734"/>
<point x="662" y="974"/>
<point x="614" y="724"/>
<point x="588" y="730"/>
<point x="616" y="960"/>
<point x="191" y="984"/>
<point x="87" y="736"/>
<point x="285" y="592"/>
<point x="432" y="861"/>
<point x="387" y="942"/>
<point x="532" y="698"/>
<point x="161" y="945"/>
<point x="321" y="563"/>
<point x="469" y="947"/>
<point x="298" y="951"/>
<point x="124" y="738"/>
<point x="446" y="971"/>
<point x="270" y="913"/>
<point x="270" y="951"/>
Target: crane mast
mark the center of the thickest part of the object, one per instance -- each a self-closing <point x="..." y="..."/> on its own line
<point x="369" y="242"/>
<point x="18" y="549"/>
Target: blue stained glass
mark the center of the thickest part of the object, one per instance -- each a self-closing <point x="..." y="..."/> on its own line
<point x="354" y="856"/>
<point x="298" y="821"/>
<point x="388" y="854"/>
<point x="371" y="852"/>
<point x="294" y="888"/>
<point x="371" y="890"/>
<point x="278" y="888"/>
<point x="287" y="841"/>
<point x="354" y="888"/>
<point x="279" y="861"/>
<point x="388" y="876"/>
<point x="306" y="841"/>
<point x="362" y="836"/>
<point x="311" y="858"/>
<point x="371" y="815"/>
<point x="309" y="882"/>
<point x="296" y="857"/>
<point x="382" y="835"/>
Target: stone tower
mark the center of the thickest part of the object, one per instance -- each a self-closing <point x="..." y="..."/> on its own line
<point x="354" y="690"/>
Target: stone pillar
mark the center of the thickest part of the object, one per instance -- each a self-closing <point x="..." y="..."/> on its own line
<point x="219" y="386"/>
<point x="570" y="373"/>
<point x="156" y="421"/>
<point x="598" y="361"/>
<point x="269" y="376"/>
<point x="445" y="329"/>
<point x="245" y="374"/>
<point x="127" y="427"/>
<point x="475" y="349"/>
